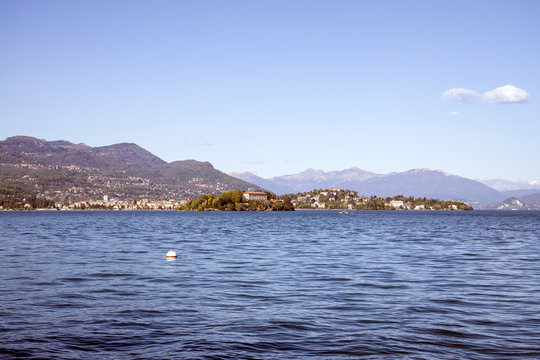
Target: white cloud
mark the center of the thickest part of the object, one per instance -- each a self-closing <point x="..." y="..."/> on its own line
<point x="507" y="94"/>
<point x="453" y="113"/>
<point x="459" y="94"/>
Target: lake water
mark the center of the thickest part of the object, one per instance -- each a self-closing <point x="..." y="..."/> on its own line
<point x="318" y="284"/>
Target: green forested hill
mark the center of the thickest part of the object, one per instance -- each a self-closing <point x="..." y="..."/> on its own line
<point x="61" y="169"/>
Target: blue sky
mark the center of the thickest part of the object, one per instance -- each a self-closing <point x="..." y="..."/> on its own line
<point x="276" y="87"/>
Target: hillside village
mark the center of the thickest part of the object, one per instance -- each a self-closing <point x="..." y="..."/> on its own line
<point x="338" y="199"/>
<point x="70" y="173"/>
<point x="61" y="182"/>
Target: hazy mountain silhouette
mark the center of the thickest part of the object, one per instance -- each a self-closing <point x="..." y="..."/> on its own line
<point x="416" y="182"/>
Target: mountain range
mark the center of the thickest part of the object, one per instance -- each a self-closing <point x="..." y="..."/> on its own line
<point x="508" y="185"/>
<point x="61" y="169"/>
<point x="416" y="182"/>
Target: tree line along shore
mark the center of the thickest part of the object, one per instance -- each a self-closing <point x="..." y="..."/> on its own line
<point x="237" y="200"/>
<point x="15" y="198"/>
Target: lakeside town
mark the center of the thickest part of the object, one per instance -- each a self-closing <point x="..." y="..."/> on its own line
<point x="80" y="182"/>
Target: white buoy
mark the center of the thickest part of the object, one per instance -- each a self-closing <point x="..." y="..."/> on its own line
<point x="171" y="254"/>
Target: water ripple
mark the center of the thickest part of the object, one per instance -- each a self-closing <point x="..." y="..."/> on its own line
<point x="371" y="285"/>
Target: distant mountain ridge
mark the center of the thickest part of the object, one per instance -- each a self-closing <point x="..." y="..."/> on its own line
<point x="61" y="169"/>
<point x="62" y="152"/>
<point x="415" y="182"/>
<point x="316" y="179"/>
<point x="64" y="170"/>
<point x="263" y="183"/>
<point x="510" y="185"/>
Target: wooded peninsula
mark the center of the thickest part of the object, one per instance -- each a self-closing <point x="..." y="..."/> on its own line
<point x="237" y="200"/>
<point x="338" y="199"/>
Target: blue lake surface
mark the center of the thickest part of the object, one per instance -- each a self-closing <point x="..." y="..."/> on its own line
<point x="307" y="284"/>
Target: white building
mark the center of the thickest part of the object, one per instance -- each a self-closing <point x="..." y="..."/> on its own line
<point x="255" y="196"/>
<point x="318" y="205"/>
<point x="396" y="203"/>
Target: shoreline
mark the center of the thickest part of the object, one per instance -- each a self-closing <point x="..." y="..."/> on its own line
<point x="321" y="210"/>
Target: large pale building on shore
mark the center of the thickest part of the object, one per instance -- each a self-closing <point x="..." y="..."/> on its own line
<point x="255" y="196"/>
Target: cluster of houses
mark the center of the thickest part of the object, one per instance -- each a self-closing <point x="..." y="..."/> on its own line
<point x="400" y="204"/>
<point x="345" y="199"/>
<point x="92" y="183"/>
<point x="143" y="204"/>
<point x="321" y="199"/>
<point x="332" y="198"/>
<point x="113" y="204"/>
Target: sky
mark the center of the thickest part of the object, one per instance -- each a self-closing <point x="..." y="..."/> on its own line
<point x="276" y="87"/>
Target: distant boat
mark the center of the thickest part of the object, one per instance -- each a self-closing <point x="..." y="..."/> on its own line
<point x="343" y="212"/>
